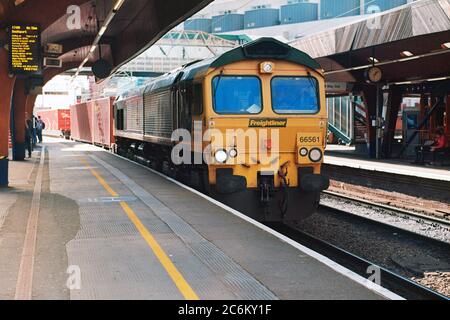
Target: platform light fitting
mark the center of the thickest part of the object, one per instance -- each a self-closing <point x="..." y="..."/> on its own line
<point x="406" y="53"/>
<point x="437" y="79"/>
<point x="118" y="4"/>
<point x="404" y="82"/>
<point x="102" y="31"/>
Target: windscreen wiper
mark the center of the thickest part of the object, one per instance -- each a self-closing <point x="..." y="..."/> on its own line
<point x="217" y="85"/>
<point x="313" y="84"/>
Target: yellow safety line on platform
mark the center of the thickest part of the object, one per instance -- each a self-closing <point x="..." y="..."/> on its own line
<point x="165" y="261"/>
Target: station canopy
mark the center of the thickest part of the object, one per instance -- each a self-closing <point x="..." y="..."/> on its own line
<point x="409" y="43"/>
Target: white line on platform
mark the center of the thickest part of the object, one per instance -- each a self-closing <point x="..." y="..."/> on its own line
<point x="321" y="258"/>
<point x="382" y="167"/>
<point x="24" y="285"/>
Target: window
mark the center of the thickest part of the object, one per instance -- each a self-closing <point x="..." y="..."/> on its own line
<point x="237" y="95"/>
<point x="295" y="95"/>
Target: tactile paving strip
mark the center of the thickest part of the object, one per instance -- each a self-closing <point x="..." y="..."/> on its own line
<point x="243" y="285"/>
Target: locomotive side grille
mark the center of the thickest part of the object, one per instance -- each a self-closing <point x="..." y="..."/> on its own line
<point x="135" y="116"/>
<point x="158" y="114"/>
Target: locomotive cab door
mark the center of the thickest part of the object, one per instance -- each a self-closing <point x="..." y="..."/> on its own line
<point x="177" y="101"/>
<point x="182" y="114"/>
<point x="185" y="113"/>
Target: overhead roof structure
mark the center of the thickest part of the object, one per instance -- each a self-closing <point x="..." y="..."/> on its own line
<point x="407" y="42"/>
<point x="77" y="25"/>
<point x="293" y="31"/>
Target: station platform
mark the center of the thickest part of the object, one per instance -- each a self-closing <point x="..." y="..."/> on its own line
<point x="343" y="156"/>
<point x="81" y="223"/>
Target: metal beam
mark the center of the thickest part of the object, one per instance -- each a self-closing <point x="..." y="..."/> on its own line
<point x="439" y="101"/>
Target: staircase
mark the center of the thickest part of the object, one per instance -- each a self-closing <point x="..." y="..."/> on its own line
<point x="339" y="135"/>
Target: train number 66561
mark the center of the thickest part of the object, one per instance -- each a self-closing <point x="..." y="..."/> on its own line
<point x="309" y="139"/>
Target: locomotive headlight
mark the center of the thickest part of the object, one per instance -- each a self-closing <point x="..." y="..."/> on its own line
<point x="233" y="153"/>
<point x="267" y="67"/>
<point x="221" y="156"/>
<point x="303" y="152"/>
<point x="315" y="155"/>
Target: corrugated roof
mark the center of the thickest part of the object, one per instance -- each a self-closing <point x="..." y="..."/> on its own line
<point x="297" y="30"/>
<point x="415" y="19"/>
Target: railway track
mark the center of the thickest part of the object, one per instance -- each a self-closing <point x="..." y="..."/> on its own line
<point x="394" y="282"/>
<point x="400" y="211"/>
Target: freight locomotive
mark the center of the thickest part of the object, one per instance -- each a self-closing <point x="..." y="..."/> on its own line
<point x="247" y="127"/>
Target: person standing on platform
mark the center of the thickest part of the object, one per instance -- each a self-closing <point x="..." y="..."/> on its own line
<point x="34" y="122"/>
<point x="39" y="127"/>
<point x="28" y="135"/>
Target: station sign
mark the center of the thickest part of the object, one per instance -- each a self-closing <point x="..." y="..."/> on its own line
<point x="53" y="48"/>
<point x="337" y="87"/>
<point x="52" y="62"/>
<point x="25" y="49"/>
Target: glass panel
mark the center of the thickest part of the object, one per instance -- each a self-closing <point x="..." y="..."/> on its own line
<point x="292" y="95"/>
<point x="336" y="119"/>
<point x="344" y="115"/>
<point x="237" y="95"/>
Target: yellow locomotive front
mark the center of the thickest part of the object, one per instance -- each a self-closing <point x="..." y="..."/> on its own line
<point x="266" y="123"/>
<point x="247" y="127"/>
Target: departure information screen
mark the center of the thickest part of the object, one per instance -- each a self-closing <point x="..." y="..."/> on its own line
<point x="25" y="50"/>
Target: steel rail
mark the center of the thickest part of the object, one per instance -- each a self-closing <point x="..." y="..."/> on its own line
<point x="390" y="208"/>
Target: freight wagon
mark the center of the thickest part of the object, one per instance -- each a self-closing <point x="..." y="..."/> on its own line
<point x="57" y="122"/>
<point x="92" y="122"/>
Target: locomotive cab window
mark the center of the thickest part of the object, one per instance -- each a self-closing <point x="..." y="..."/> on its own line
<point x="295" y="95"/>
<point x="237" y="94"/>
